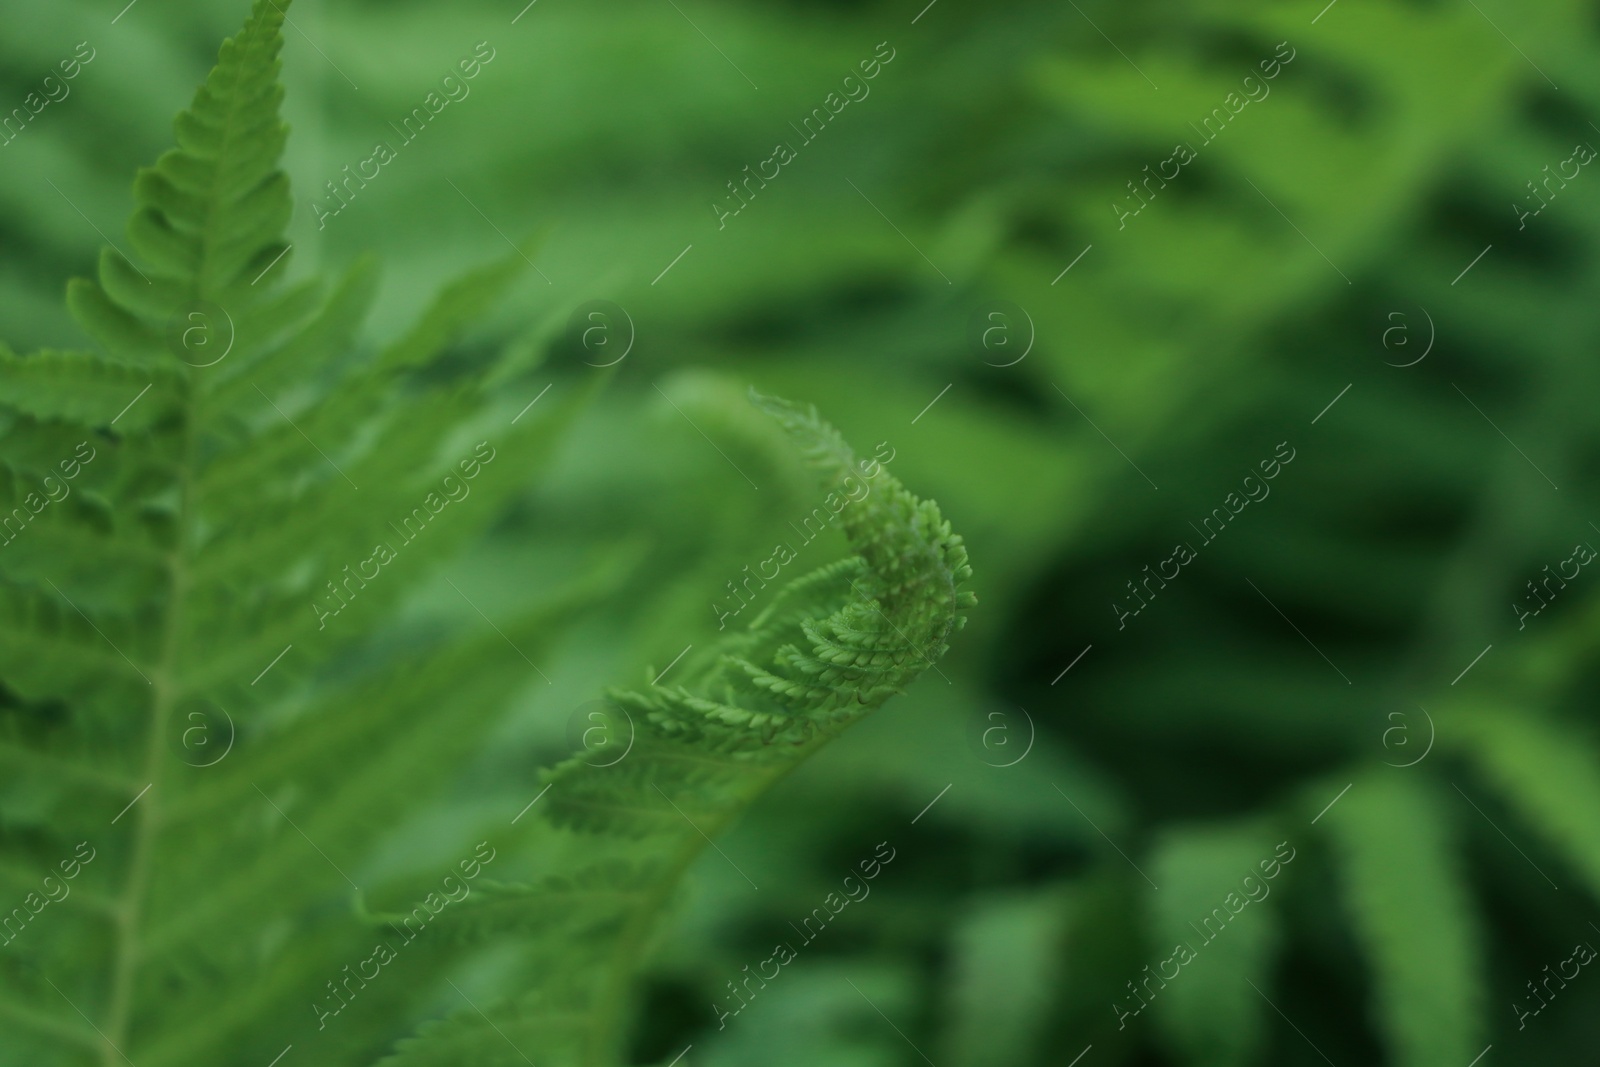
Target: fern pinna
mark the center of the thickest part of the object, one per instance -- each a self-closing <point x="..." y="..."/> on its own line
<point x="177" y="502"/>
<point x="832" y="646"/>
<point x="208" y="717"/>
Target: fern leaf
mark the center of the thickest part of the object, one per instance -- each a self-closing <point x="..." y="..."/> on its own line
<point x="1213" y="903"/>
<point x="595" y="901"/>
<point x="241" y="450"/>
<point x="832" y="647"/>
<point x="1553" y="783"/>
<point x="1007" y="960"/>
<point x="83" y="388"/>
<point x="1411" y="914"/>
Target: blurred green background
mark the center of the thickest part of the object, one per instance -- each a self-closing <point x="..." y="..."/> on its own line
<point x="1359" y="234"/>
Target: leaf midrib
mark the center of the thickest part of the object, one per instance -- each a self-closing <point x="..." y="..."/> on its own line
<point x="125" y="960"/>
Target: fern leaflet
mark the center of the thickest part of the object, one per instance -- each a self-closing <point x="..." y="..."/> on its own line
<point x="831" y="647"/>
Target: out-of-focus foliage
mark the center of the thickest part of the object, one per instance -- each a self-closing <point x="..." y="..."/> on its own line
<point x="1320" y="241"/>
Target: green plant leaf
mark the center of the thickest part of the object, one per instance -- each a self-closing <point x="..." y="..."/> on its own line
<point x="1211" y="879"/>
<point x="1552" y="782"/>
<point x="211" y="524"/>
<point x="831" y="646"/>
<point x="1408" y="902"/>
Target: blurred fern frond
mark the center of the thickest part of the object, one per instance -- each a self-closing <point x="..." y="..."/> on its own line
<point x="206" y="517"/>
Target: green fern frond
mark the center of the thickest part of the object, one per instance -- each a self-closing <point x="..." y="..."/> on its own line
<point x="1214" y="903"/>
<point x="1552" y="782"/>
<point x="81" y="388"/>
<point x="192" y="515"/>
<point x="577" y="905"/>
<point x="1006" y="962"/>
<point x="1408" y="901"/>
<point x="832" y="646"/>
